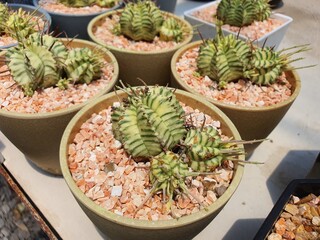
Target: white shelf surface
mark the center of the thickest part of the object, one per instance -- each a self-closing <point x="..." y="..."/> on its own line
<point x="296" y="143"/>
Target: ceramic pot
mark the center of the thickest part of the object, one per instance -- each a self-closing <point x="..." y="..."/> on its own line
<point x="72" y="25"/>
<point x="153" y="66"/>
<point x="30" y="9"/>
<point x="38" y="135"/>
<point x="119" y="227"/>
<point x="251" y="122"/>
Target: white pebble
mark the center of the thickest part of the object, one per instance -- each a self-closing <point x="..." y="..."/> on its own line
<point x="116" y="191"/>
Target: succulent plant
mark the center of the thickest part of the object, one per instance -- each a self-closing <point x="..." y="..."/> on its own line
<point x="4" y="14"/>
<point x="149" y="121"/>
<point x="226" y="58"/>
<point x="85" y="3"/>
<point x="42" y="61"/>
<point x="143" y="21"/>
<point x="242" y="12"/>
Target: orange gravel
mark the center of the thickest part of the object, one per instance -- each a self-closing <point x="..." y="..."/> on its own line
<point x="57" y="7"/>
<point x="49" y="99"/>
<point x="241" y="93"/>
<point x="109" y="177"/>
<point x="254" y="31"/>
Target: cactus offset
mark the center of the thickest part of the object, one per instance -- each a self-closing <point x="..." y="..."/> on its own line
<point x="77" y="3"/>
<point x="4" y="14"/>
<point x="149" y="121"/>
<point x="171" y="30"/>
<point x="243" y="12"/>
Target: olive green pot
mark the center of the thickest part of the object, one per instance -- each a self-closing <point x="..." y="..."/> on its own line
<point x="251" y="122"/>
<point x="38" y="135"/>
<point x="153" y="67"/>
<point x="122" y="228"/>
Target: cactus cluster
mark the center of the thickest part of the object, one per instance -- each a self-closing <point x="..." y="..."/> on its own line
<point x="226" y="58"/>
<point x="143" y="21"/>
<point x="85" y="3"/>
<point x="241" y="13"/>
<point x="42" y="61"/>
<point x="16" y="24"/>
<point x="152" y="126"/>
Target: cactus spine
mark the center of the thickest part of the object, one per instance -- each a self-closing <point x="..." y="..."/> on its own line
<point x="243" y="12"/>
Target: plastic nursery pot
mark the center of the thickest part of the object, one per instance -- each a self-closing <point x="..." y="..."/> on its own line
<point x="29" y="9"/>
<point x="208" y="29"/>
<point x="297" y="187"/>
<point x="251" y="122"/>
<point x="123" y="228"/>
<point x="38" y="135"/>
<point x="72" y="25"/>
<point x="153" y="66"/>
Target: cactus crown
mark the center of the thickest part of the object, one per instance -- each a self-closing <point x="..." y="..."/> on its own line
<point x="243" y="12"/>
<point x="143" y="21"/>
<point x="43" y="61"/>
<point x="85" y="3"/>
<point x="227" y="58"/>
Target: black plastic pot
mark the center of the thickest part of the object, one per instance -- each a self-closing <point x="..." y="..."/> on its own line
<point x="297" y="187"/>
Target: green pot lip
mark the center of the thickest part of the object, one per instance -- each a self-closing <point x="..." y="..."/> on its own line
<point x="82" y="115"/>
<point x="144" y="53"/>
<point x="76" y="107"/>
<point x="36" y="3"/>
<point x="177" y="78"/>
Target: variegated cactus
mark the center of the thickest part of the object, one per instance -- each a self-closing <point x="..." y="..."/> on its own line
<point x="4" y="14"/>
<point x="226" y="58"/>
<point x="242" y="12"/>
<point x="85" y="3"/>
<point x="19" y="24"/>
<point x="42" y="61"/>
<point x="143" y="21"/>
<point x="149" y="121"/>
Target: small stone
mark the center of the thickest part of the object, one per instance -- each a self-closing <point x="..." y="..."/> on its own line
<point x="316" y="221"/>
<point x="274" y="236"/>
<point x="1" y="223"/>
<point x="116" y="191"/>
<point x="292" y="209"/>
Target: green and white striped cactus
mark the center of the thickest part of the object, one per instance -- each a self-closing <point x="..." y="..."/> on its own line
<point x="226" y="58"/>
<point x="43" y="61"/>
<point x="243" y="12"/>
<point x="85" y="3"/>
<point x="4" y="14"/>
<point x="149" y="121"/>
<point x="143" y="21"/>
<point x="20" y="24"/>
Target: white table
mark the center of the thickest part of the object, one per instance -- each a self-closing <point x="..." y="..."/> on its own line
<point x="296" y="143"/>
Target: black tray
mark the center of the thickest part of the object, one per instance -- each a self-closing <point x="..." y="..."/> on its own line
<point x="297" y="187"/>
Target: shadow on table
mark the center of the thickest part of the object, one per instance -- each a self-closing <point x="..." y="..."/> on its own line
<point x="244" y="229"/>
<point x="296" y="164"/>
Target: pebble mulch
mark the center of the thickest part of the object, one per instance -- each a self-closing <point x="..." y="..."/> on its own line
<point x="16" y="221"/>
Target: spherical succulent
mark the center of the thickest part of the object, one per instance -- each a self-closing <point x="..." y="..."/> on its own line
<point x="42" y="61"/>
<point x="148" y="121"/>
<point x="171" y="30"/>
<point x="77" y="3"/>
<point x="223" y="59"/>
<point x="242" y="12"/>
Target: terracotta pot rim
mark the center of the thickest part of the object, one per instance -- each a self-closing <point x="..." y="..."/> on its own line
<point x="135" y="52"/>
<point x="31" y="8"/>
<point x="82" y="115"/>
<point x="178" y="54"/>
<point x="35" y="3"/>
<point x="76" y="107"/>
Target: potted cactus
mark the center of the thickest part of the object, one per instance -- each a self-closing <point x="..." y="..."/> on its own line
<point x="136" y="177"/>
<point x="44" y="81"/>
<point x="254" y="86"/>
<point x="143" y="38"/>
<point x="72" y="17"/>
<point x="249" y="19"/>
<point x="22" y="18"/>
